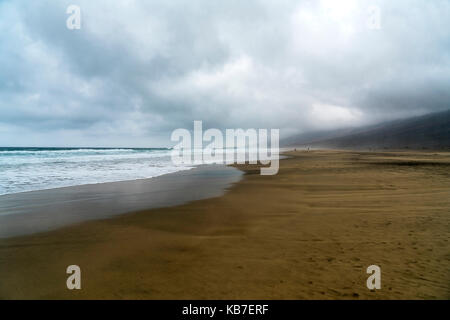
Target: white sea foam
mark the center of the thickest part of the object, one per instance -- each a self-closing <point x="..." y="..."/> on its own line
<point x="37" y="169"/>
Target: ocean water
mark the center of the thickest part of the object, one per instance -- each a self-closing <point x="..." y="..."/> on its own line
<point x="28" y="169"/>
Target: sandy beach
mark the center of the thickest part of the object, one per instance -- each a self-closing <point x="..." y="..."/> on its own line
<point x="308" y="232"/>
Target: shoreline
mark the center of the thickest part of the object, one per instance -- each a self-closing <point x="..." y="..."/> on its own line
<point x="59" y="207"/>
<point x="308" y="232"/>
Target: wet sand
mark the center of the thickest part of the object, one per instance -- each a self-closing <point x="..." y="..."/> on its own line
<point x="37" y="211"/>
<point x="308" y="232"/>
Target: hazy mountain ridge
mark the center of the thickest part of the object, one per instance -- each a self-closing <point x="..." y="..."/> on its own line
<point x="431" y="131"/>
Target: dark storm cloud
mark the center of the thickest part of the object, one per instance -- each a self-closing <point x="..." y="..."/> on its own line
<point x="136" y="70"/>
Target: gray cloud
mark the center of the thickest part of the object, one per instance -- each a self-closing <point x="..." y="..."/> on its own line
<point x="139" y="69"/>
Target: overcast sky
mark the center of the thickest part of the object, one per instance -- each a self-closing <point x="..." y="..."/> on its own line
<point x="136" y="70"/>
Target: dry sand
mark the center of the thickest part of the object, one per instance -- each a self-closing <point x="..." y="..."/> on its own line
<point x="308" y="232"/>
